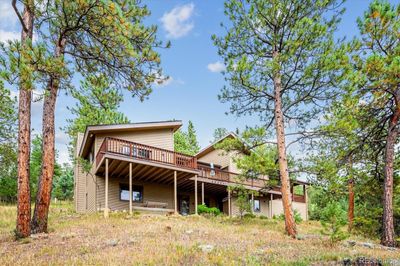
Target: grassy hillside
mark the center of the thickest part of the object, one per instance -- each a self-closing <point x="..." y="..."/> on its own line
<point x="148" y="239"/>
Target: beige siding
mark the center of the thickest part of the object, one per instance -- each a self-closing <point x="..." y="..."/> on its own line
<point x="216" y="157"/>
<point x="277" y="208"/>
<point x="160" y="138"/>
<point x="224" y="159"/>
<point x="91" y="190"/>
<point x="151" y="192"/>
<point x="264" y="207"/>
<point x="232" y="165"/>
<point x="79" y="181"/>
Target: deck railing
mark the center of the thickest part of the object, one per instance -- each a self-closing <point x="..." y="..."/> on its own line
<point x="145" y="152"/>
<point x="222" y="175"/>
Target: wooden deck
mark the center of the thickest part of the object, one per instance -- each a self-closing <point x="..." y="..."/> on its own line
<point x="143" y="152"/>
<point x="154" y="164"/>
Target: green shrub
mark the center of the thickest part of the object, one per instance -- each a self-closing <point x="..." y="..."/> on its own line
<point x="333" y="218"/>
<point x="249" y="216"/>
<point x="297" y="217"/>
<point x="263" y="217"/>
<point x="203" y="209"/>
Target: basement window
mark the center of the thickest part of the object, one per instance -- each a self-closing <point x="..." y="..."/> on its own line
<point x="137" y="193"/>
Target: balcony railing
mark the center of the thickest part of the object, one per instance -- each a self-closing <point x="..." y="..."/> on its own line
<point x="222" y="175"/>
<point x="144" y="152"/>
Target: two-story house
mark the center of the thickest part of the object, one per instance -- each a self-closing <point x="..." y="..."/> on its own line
<point x="134" y="167"/>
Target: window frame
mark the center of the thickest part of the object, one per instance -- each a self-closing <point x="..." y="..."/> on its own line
<point x="254" y="206"/>
<point x="135" y="188"/>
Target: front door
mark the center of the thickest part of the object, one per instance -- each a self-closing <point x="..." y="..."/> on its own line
<point x="184" y="204"/>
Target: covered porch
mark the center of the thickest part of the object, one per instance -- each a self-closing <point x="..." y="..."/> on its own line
<point x="133" y="176"/>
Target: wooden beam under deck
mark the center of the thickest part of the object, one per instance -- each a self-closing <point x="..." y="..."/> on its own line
<point x="112" y="164"/>
<point x="139" y="174"/>
<point x="154" y="175"/>
<point x="164" y="179"/>
<point x="122" y="165"/>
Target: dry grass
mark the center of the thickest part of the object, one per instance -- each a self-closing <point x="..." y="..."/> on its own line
<point x="154" y="240"/>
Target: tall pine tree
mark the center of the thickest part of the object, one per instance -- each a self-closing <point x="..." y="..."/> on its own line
<point x="279" y="65"/>
<point x="90" y="36"/>
<point x="98" y="100"/>
<point x="186" y="142"/>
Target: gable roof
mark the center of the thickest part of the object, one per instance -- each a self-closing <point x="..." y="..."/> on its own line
<point x="211" y="147"/>
<point x="91" y="130"/>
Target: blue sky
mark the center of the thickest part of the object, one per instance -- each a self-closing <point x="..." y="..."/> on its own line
<point x="192" y="64"/>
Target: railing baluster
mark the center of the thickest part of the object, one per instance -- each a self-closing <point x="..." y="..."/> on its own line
<point x="138" y="150"/>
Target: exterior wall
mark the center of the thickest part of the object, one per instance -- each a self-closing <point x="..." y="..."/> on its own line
<point x="151" y="192"/>
<point x="264" y="207"/>
<point x="89" y="189"/>
<point x="160" y="138"/>
<point x="216" y="157"/>
<point x="277" y="208"/>
<point x="79" y="181"/>
<point x="232" y="165"/>
<point x="220" y="157"/>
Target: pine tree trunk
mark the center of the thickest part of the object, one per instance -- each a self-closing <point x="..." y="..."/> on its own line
<point x="283" y="164"/>
<point x="43" y="197"/>
<point x="350" y="212"/>
<point x="388" y="238"/>
<point x="23" y="228"/>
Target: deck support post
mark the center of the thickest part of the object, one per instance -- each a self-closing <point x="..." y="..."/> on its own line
<point x="229" y="204"/>
<point x="252" y="202"/>
<point x="106" y="211"/>
<point x="202" y="193"/>
<point x="195" y="194"/>
<point x="130" y="188"/>
<point x="175" y="194"/>
<point x="270" y="205"/>
<point x="305" y="199"/>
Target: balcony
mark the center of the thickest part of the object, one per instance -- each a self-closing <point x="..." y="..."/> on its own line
<point x="225" y="176"/>
<point x="233" y="178"/>
<point x="137" y="151"/>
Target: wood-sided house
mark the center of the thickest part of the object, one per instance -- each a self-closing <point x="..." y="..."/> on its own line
<point x="134" y="167"/>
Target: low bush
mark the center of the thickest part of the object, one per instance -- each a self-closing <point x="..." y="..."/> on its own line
<point x="297" y="217"/>
<point x="203" y="209"/>
<point x="249" y="216"/>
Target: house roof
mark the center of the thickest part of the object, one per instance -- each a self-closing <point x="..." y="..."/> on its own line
<point x="97" y="129"/>
<point x="211" y="147"/>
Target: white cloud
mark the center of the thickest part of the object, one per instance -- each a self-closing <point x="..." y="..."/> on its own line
<point x="216" y="67"/>
<point x="177" y="22"/>
<point x="9" y="35"/>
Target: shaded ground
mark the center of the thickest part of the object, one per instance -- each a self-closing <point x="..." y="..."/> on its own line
<point x="154" y="240"/>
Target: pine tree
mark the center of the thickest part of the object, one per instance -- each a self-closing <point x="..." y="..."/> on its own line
<point x="219" y="133"/>
<point x="8" y="145"/>
<point x="279" y="65"/>
<point x="375" y="81"/>
<point x="186" y="142"/>
<point x="98" y="102"/>
<point x="18" y="69"/>
<point x="100" y="36"/>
